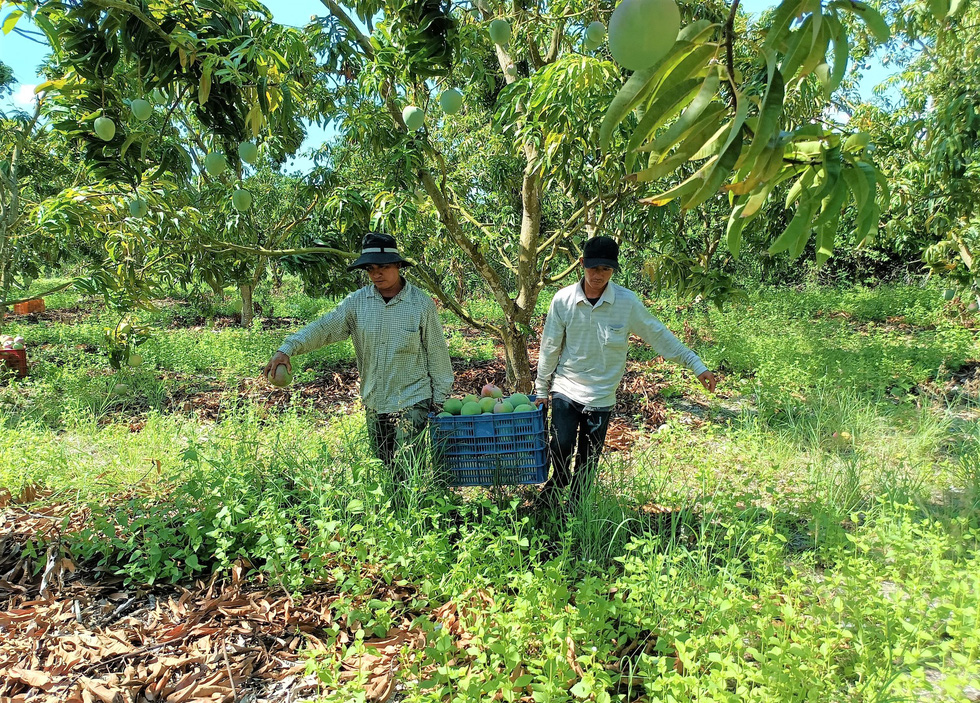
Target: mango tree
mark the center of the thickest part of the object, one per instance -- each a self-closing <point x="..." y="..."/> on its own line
<point x="165" y="104"/>
<point x="35" y="164"/>
<point x="930" y="141"/>
<point x="587" y="139"/>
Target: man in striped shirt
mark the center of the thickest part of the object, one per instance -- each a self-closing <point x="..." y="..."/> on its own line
<point x="583" y="358"/>
<point x="400" y="347"/>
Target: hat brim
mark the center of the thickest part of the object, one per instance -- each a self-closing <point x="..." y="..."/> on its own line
<point x="592" y="263"/>
<point x="378" y="258"/>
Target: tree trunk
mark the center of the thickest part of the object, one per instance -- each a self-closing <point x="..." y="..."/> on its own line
<point x="10" y="211"/>
<point x="519" y="376"/>
<point x="246" y="293"/>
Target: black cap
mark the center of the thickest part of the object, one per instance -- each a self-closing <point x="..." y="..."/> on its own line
<point x="378" y="248"/>
<point x="601" y="251"/>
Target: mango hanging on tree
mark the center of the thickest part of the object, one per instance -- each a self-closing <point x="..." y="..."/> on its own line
<point x="641" y="32"/>
<point x="451" y="101"/>
<point x="241" y="200"/>
<point x="105" y="128"/>
<point x="500" y="31"/>
<point x="142" y="110"/>
<point x="215" y="163"/>
<point x="414" y="118"/>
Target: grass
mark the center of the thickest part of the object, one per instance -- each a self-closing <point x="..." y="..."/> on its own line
<point x="812" y="536"/>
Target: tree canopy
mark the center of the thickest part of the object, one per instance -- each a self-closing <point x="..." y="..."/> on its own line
<point x="554" y="141"/>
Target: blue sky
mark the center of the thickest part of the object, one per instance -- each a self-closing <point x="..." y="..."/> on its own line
<point x="25" y="56"/>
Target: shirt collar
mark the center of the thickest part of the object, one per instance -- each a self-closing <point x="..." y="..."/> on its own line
<point x="608" y="295"/>
<point x="373" y="292"/>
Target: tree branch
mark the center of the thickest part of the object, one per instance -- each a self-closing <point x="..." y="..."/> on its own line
<point x="276" y="253"/>
<point x="555" y="279"/>
<point x="57" y="289"/>
<point x="556" y="37"/>
<point x="428" y="279"/>
<point x="362" y="39"/>
<point x="145" y="19"/>
<point x="469" y="217"/>
<point x="562" y="231"/>
<point x="305" y="216"/>
<point x="729" y="34"/>
<point x="448" y="218"/>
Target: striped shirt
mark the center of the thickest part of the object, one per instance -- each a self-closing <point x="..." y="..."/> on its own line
<point x="583" y="348"/>
<point x="400" y="347"/>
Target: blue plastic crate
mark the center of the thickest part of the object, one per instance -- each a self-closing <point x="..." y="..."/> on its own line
<point x="491" y="450"/>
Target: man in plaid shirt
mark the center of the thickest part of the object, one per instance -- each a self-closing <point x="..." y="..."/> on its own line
<point x="400" y="347"/>
<point x="583" y="358"/>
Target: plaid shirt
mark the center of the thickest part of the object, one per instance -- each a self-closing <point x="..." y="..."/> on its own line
<point x="400" y="347"/>
<point x="583" y="348"/>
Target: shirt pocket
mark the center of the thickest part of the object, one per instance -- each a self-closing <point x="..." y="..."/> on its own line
<point x="613" y="336"/>
<point x="409" y="341"/>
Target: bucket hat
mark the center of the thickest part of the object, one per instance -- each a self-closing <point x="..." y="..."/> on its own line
<point x="378" y="248"/>
<point x="601" y="251"/>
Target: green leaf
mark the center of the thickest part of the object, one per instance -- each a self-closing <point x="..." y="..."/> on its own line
<point x="662" y="109"/>
<point x="799" y="225"/>
<point x="868" y="225"/>
<point x="717" y="174"/>
<point x="831" y="170"/>
<point x="681" y="190"/>
<point x="10" y="21"/>
<point x="939" y="8"/>
<point x="769" y="113"/>
<point x="205" y="88"/>
<point x="868" y="212"/>
<point x="870" y="174"/>
<point x="736" y="223"/>
<point x="826" y="233"/>
<point x="818" y="53"/>
<point x="766" y="166"/>
<point x="128" y="143"/>
<point x="641" y="85"/>
<point x="807" y="131"/>
<point x="713" y="146"/>
<point x="804" y="181"/>
<point x="581" y="690"/>
<point x="841" y="51"/>
<point x="858" y="186"/>
<point x="822" y="72"/>
<point x="807" y="151"/>
<point x="882" y="181"/>
<point x="831" y="205"/>
<point x="872" y="19"/>
<point x="741" y="112"/>
<point x="49" y="85"/>
<point x="690" y="116"/>
<point x="42" y="21"/>
<point x="787" y="11"/>
<point x="697" y="31"/>
<point x="636" y="88"/>
<point x="703" y="131"/>
<point x="797" y="51"/>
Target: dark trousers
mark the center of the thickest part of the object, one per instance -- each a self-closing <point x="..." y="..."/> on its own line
<point x="571" y="425"/>
<point x="398" y="438"/>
